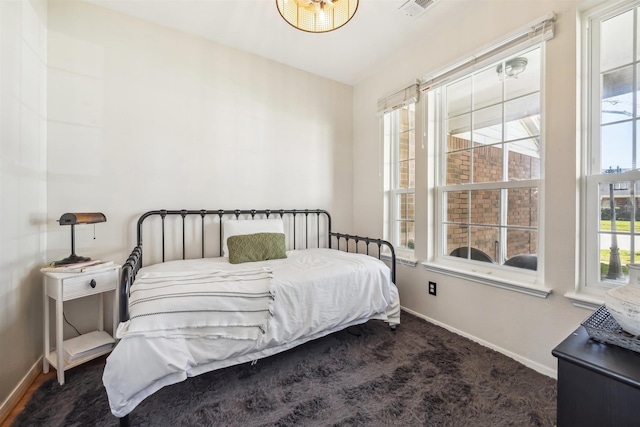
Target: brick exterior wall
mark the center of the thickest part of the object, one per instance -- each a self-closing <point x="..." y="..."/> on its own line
<point x="485" y="204"/>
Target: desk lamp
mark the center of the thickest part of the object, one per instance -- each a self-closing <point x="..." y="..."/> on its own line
<point x="73" y="219"/>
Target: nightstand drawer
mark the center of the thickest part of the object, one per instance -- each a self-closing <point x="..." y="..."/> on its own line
<point x="89" y="284"/>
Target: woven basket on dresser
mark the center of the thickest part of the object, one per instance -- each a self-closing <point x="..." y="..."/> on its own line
<point x="601" y="326"/>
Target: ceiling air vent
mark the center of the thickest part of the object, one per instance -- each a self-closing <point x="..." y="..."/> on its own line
<point x="415" y="7"/>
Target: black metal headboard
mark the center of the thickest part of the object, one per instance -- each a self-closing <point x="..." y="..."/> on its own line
<point x="306" y="228"/>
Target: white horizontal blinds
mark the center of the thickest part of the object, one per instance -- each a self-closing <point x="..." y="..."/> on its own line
<point x="406" y="96"/>
<point x="529" y="35"/>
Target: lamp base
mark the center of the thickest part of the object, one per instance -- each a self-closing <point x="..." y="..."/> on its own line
<point x="71" y="259"/>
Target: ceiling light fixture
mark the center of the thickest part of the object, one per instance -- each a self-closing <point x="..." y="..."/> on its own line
<point x="512" y="67"/>
<point x="317" y="16"/>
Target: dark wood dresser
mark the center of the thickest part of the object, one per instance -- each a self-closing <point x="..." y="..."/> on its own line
<point x="598" y="384"/>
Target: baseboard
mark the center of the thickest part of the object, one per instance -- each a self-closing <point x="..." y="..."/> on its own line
<point x="19" y="391"/>
<point x="526" y="362"/>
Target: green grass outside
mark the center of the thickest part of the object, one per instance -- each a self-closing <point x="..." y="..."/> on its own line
<point x="623" y="226"/>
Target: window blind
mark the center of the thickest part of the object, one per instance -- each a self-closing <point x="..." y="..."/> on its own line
<point x="406" y="96"/>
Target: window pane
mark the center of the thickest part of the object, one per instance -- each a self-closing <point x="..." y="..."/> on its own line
<point x="406" y="234"/>
<point x="403" y="175"/>
<point x="485" y="207"/>
<point x="487" y="125"/>
<point x="524" y="159"/>
<point x="616" y="207"/>
<point x="487" y="88"/>
<point x="522" y="117"/>
<point x="458" y="167"/>
<point x="617" y="95"/>
<point x="403" y="146"/>
<point x="522" y="207"/>
<point x="485" y="241"/>
<point x="456" y="237"/>
<point x="410" y="213"/>
<point x="406" y="206"/>
<point x="457" y="206"/>
<point x="406" y="116"/>
<point x="616" y="47"/>
<point x="412" y="144"/>
<point x="412" y="173"/>
<point x="459" y="98"/>
<point x="487" y="163"/>
<point x="460" y="127"/>
<point x="638" y="89"/>
<point x="635" y="200"/>
<point x="616" y="147"/>
<point x="521" y="242"/>
<point x="637" y="164"/>
<point x="522" y="128"/>
<point x="636" y="251"/>
<point x="610" y="259"/>
<point x="528" y="81"/>
<point x="455" y="143"/>
<point x="616" y="216"/>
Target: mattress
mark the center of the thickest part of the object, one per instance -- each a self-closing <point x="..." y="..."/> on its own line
<point x="316" y="292"/>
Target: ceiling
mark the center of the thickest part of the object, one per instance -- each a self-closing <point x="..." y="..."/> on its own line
<point x="378" y="30"/>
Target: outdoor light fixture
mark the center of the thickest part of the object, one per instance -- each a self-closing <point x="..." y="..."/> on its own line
<point x="74" y="219"/>
<point x="512" y="67"/>
<point x="317" y="16"/>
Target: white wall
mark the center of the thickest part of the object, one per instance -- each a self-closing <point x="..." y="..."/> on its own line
<point x="526" y="327"/>
<point x="143" y="117"/>
<point x="130" y="116"/>
<point x="23" y="190"/>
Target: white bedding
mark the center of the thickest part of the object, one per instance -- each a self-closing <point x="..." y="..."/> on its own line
<point x="316" y="292"/>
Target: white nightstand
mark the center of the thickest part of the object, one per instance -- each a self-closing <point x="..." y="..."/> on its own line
<point x="67" y="286"/>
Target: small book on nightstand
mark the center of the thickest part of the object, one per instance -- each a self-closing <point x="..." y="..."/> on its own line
<point x="79" y="267"/>
<point x="87" y="345"/>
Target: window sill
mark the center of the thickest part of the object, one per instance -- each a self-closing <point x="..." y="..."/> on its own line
<point x="582" y="300"/>
<point x="401" y="259"/>
<point x="485" y="279"/>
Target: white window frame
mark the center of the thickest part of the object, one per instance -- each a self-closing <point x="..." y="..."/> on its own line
<point x="520" y="280"/>
<point x="591" y="289"/>
<point x="388" y="109"/>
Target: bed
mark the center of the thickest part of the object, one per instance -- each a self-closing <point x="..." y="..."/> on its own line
<point x="223" y="287"/>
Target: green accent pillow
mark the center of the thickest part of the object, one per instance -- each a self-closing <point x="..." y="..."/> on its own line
<point x="256" y="247"/>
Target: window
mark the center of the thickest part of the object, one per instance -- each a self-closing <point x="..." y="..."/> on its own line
<point x="399" y="138"/>
<point x="611" y="63"/>
<point x="490" y="160"/>
<point x="488" y="180"/>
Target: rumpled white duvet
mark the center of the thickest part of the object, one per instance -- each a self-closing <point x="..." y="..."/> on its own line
<point x="315" y="292"/>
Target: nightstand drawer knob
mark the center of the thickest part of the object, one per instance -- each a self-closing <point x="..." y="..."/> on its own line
<point x="93" y="283"/>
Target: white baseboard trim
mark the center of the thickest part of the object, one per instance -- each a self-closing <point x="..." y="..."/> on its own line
<point x="526" y="362"/>
<point x="19" y="391"/>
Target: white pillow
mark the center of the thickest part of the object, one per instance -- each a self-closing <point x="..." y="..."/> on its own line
<point x="234" y="227"/>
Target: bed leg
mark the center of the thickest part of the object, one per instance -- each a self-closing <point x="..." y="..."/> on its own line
<point x="393" y="327"/>
<point x="124" y="421"/>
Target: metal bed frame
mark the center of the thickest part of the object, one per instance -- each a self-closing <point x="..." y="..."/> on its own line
<point x="299" y="226"/>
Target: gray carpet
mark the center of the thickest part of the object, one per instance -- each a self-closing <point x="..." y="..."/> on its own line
<point x="419" y="375"/>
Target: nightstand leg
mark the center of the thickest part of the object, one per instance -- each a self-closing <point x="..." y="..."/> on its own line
<point x="59" y="338"/>
<point x="100" y="312"/>
<point x="45" y="361"/>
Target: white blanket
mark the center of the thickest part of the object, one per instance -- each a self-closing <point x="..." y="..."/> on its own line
<point x="200" y="304"/>
<point x="318" y="291"/>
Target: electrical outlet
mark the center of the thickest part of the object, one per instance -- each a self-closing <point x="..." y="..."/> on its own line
<point x="432" y="288"/>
